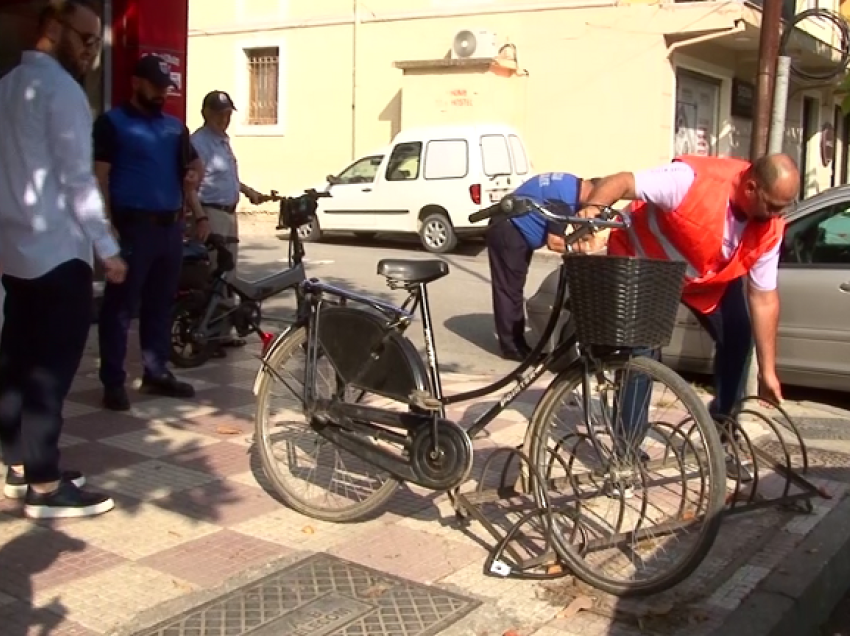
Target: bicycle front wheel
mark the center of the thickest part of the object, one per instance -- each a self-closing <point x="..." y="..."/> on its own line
<point x="311" y="474"/>
<point x="637" y="485"/>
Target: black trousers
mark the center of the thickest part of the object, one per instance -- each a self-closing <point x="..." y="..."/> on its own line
<point x="510" y="257"/>
<point x="46" y="325"/>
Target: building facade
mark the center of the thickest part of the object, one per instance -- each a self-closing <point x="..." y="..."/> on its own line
<point x="594" y="86"/>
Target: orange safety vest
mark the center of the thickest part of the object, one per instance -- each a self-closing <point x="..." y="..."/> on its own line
<point x="693" y="232"/>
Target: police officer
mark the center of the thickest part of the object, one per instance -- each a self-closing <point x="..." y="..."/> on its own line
<point x="510" y="245"/>
<point x="220" y="186"/>
<point x="142" y="159"/>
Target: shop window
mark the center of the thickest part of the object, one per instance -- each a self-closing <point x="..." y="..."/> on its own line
<point x="695" y="125"/>
<point x="263" y="86"/>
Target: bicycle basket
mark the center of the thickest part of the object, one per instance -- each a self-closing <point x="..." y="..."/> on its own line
<point x="622" y="301"/>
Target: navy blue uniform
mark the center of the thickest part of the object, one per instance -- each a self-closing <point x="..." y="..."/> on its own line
<point x="510" y="245"/>
<point x="148" y="155"/>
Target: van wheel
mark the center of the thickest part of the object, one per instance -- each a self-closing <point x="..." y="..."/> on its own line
<point x="310" y="232"/>
<point x="437" y="234"/>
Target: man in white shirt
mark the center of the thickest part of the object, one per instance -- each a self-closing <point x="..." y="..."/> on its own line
<point x="723" y="218"/>
<point x="51" y="216"/>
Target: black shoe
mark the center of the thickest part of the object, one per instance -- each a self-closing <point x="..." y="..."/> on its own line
<point x="16" y="485"/>
<point x="736" y="471"/>
<point x="168" y="386"/>
<point x="116" y="399"/>
<point x="66" y="502"/>
<point x="523" y="349"/>
<point x="512" y="354"/>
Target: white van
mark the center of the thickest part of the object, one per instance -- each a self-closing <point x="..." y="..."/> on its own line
<point x="428" y="181"/>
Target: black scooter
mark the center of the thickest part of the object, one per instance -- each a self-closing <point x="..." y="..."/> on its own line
<point x="204" y="313"/>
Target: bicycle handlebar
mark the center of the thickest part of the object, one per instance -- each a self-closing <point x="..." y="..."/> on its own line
<point x="297" y="211"/>
<point x="513" y="206"/>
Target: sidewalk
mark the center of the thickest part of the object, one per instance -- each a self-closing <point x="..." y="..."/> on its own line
<point x="192" y="522"/>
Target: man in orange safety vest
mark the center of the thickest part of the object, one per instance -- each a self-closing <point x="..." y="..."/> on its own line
<point x="723" y="218"/>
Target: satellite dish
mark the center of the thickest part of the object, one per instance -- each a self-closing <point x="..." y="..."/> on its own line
<point x="465" y="44"/>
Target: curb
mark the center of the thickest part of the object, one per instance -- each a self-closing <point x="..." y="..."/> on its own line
<point x="798" y="598"/>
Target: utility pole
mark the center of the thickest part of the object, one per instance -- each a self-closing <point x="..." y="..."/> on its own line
<point x="769" y="38"/>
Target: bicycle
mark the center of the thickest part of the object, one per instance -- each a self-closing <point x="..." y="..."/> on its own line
<point x="403" y="434"/>
<point x="202" y="318"/>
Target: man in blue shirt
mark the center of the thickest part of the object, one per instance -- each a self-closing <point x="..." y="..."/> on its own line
<point x="510" y="246"/>
<point x="143" y="159"/>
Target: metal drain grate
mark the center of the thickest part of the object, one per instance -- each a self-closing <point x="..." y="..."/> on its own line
<point x="323" y="596"/>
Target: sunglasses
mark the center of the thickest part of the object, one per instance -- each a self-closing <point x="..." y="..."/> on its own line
<point x="89" y="40"/>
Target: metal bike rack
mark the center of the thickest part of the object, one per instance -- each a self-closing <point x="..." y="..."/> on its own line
<point x="529" y="521"/>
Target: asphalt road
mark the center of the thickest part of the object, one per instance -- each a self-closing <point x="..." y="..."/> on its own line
<point x="461" y="304"/>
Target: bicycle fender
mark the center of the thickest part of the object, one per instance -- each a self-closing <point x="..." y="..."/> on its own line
<point x="274" y="346"/>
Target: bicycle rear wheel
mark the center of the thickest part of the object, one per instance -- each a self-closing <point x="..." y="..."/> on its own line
<point x="636" y="497"/>
<point x="294" y="456"/>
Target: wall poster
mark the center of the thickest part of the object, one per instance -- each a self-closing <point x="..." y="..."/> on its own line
<point x="695" y="127"/>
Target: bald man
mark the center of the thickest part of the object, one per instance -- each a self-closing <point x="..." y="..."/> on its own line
<point x="723" y="217"/>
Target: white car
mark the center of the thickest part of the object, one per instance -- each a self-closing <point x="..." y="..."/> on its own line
<point x="428" y="181"/>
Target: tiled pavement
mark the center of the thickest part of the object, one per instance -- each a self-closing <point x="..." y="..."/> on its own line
<point x="191" y="515"/>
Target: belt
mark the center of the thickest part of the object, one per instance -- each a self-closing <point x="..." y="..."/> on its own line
<point x="230" y="209"/>
<point x="155" y="217"/>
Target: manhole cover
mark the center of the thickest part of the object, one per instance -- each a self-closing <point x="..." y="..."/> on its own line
<point x="323" y="596"/>
<point x="823" y="464"/>
<point x="823" y="428"/>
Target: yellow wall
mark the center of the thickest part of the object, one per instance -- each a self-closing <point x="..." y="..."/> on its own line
<point x="598" y="96"/>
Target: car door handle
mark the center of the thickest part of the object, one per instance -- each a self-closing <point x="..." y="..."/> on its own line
<point x="845" y="287"/>
<point x="367" y="189"/>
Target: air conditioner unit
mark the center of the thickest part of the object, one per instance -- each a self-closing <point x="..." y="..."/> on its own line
<point x="471" y="44"/>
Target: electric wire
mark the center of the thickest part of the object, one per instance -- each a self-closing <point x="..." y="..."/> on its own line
<point x="840" y="24"/>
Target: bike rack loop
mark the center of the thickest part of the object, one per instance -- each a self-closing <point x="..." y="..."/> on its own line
<point x="514" y="493"/>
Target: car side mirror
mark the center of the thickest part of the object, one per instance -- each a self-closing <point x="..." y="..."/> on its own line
<point x="332" y="179"/>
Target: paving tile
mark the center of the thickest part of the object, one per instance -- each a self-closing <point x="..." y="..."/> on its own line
<point x="22" y="619"/>
<point x="139" y="531"/>
<point x="408" y="553"/>
<point x="211" y="560"/>
<point x="149" y="480"/>
<point x="93" y="458"/>
<point x="224" y="503"/>
<point x="102" y="424"/>
<point x="159" y="439"/>
<point x="75" y="409"/>
<point x="40" y="559"/>
<point x="225" y="398"/>
<point x="168" y="409"/>
<point x="221" y="459"/>
<point x="222" y="425"/>
<point x="103" y="602"/>
<point x="66" y="441"/>
<point x="288" y="528"/>
<point x="225" y="375"/>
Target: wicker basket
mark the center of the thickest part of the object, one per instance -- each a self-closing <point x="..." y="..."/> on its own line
<point x="624" y="302"/>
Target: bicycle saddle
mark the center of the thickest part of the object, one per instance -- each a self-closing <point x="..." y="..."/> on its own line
<point x="412" y="271"/>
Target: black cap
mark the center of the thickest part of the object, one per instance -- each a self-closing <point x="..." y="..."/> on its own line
<point x="155" y="70"/>
<point x="218" y="101"/>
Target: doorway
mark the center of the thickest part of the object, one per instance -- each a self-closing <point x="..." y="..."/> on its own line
<point x="18" y="32"/>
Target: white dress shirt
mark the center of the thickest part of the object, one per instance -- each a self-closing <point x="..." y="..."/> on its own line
<point x="51" y="210"/>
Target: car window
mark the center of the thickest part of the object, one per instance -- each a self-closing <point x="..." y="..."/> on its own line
<point x="819" y="238"/>
<point x="446" y="159"/>
<point x="404" y="162"/>
<point x="361" y="171"/>
<point x="495" y="156"/>
<point x="518" y="152"/>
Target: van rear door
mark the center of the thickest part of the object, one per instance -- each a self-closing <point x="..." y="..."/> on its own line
<point x="498" y="170"/>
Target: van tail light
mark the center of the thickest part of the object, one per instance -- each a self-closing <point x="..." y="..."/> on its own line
<point x="475" y="193"/>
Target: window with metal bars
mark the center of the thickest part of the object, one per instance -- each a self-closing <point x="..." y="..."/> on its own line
<point x="263" y="89"/>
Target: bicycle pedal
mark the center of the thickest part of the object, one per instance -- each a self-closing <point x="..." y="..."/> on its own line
<point x="425" y="401"/>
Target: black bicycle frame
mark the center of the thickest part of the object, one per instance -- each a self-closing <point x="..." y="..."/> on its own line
<point x="401" y="317"/>
<point x="290" y="278"/>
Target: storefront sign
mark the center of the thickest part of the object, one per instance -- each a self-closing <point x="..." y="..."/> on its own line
<point x="743" y="98"/>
